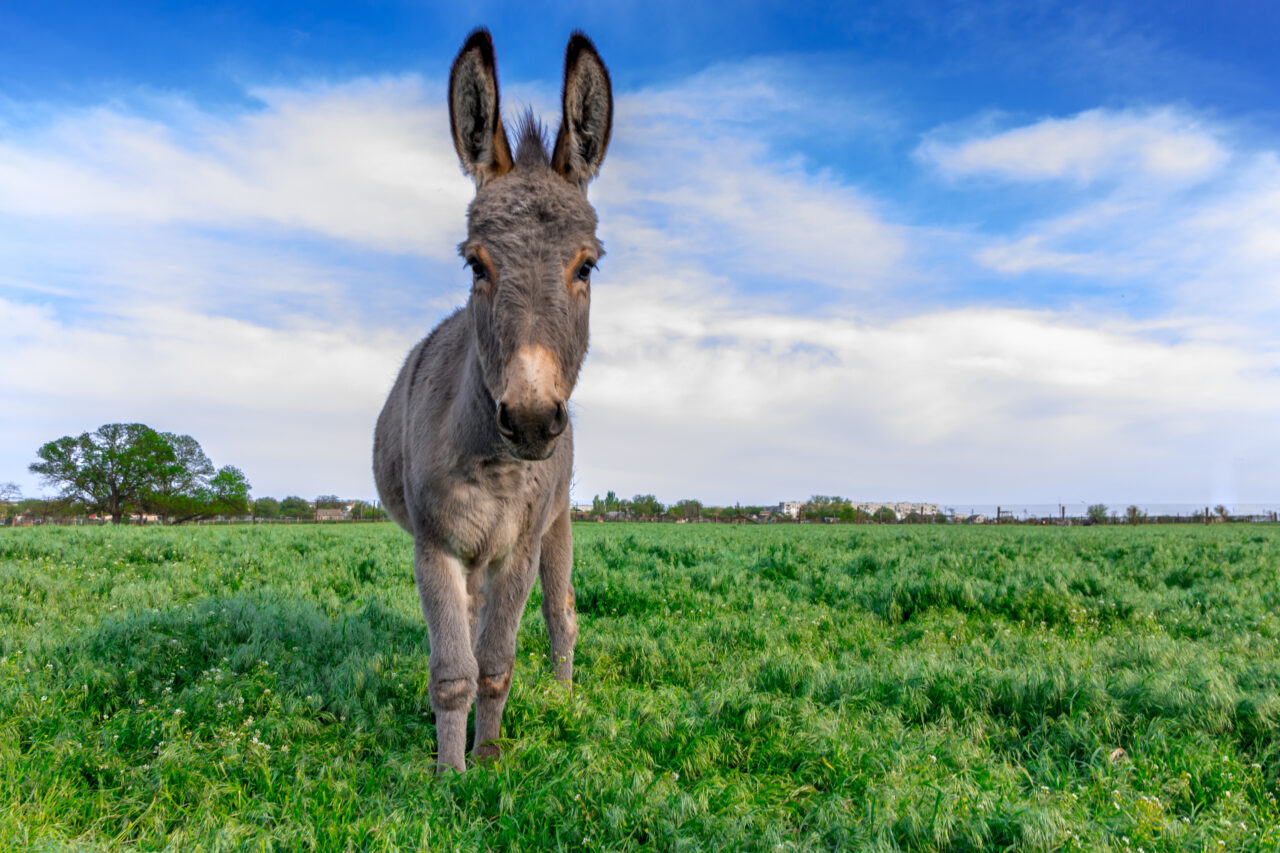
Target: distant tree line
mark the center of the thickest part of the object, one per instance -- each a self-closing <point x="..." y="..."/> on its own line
<point x="834" y="508"/>
<point x="269" y="509"/>
<point x="817" y="508"/>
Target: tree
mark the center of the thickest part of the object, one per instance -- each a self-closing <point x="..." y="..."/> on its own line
<point x="228" y="493"/>
<point x="1221" y="512"/>
<point x="885" y="515"/>
<point x="688" y="508"/>
<point x="266" y="508"/>
<point x="1135" y="515"/>
<point x="295" y="507"/>
<point x="329" y="502"/>
<point x="363" y="510"/>
<point x="646" y="506"/>
<point x="1097" y="513"/>
<point x="191" y="468"/>
<point x="191" y="489"/>
<point x="823" y="506"/>
<point x="110" y="470"/>
<point x="46" y="508"/>
<point x="10" y="494"/>
<point x="126" y="467"/>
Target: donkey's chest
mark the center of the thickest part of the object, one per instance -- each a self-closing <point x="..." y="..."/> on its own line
<point x="490" y="519"/>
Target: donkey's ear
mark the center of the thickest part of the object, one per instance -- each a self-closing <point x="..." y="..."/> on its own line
<point x="587" y="116"/>
<point x="474" y="118"/>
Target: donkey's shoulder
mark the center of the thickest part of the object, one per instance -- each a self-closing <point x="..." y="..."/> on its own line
<point x="441" y="347"/>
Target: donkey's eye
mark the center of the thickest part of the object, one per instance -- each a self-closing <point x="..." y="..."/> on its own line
<point x="479" y="272"/>
<point x="584" y="271"/>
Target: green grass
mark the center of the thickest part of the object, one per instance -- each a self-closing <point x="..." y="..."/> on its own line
<point x="919" y="688"/>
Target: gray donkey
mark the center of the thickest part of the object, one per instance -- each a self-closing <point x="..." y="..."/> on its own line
<point x="473" y="451"/>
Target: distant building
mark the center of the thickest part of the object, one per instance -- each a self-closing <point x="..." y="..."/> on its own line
<point x="901" y="509"/>
<point x="332" y="515"/>
<point x="791" y="508"/>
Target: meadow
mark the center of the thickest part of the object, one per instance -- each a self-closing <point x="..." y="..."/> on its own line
<point x="779" y="688"/>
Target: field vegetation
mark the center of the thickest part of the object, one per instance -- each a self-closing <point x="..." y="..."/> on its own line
<point x="779" y="688"/>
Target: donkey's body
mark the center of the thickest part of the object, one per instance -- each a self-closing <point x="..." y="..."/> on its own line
<point x="473" y="451"/>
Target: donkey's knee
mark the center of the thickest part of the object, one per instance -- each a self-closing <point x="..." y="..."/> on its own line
<point x="491" y="685"/>
<point x="452" y="694"/>
<point x="561" y="616"/>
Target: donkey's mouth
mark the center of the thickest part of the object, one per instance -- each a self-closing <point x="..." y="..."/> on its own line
<point x="527" y="453"/>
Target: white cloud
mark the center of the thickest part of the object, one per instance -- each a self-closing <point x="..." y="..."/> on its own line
<point x="957" y="403"/>
<point x="1162" y="145"/>
<point x="369" y="162"/>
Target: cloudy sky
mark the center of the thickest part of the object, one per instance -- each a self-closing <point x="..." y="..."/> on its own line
<point x="963" y="253"/>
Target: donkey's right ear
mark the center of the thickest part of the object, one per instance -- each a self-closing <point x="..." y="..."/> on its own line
<point x="474" y="118"/>
<point x="586" y="119"/>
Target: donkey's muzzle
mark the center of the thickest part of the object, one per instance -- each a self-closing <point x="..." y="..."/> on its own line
<point x="531" y="431"/>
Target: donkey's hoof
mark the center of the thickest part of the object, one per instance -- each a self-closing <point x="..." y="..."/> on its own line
<point x="486" y="753"/>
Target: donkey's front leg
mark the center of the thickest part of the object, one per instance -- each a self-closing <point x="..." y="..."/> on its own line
<point x="557" y="595"/>
<point x="505" y="596"/>
<point x="443" y="592"/>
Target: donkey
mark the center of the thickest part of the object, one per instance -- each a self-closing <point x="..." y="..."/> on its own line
<point x="473" y="451"/>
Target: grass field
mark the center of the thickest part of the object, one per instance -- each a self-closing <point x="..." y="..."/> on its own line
<point x="921" y="688"/>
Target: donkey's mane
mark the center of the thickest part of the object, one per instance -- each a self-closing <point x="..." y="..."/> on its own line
<point x="531" y="141"/>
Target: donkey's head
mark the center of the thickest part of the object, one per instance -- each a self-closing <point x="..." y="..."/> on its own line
<point x="531" y="238"/>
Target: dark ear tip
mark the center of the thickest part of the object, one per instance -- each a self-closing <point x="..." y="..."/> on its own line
<point x="579" y="44"/>
<point x="480" y="40"/>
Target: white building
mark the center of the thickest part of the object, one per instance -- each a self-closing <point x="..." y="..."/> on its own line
<point x="901" y="509"/>
<point x="791" y="508"/>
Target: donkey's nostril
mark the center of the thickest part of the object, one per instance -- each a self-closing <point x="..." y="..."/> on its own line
<point x="504" y="421"/>
<point x="559" y="420"/>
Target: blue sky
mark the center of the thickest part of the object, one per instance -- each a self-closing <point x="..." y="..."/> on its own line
<point x="966" y="253"/>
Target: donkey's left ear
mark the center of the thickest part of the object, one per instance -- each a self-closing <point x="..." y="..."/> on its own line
<point x="475" y="119"/>
<point x="587" y="113"/>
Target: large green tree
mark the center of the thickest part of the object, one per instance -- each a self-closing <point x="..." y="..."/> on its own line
<point x="121" y="468"/>
<point x="110" y="470"/>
